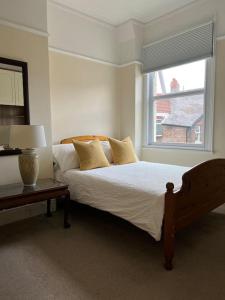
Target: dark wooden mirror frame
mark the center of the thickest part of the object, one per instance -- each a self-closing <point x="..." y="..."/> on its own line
<point x="24" y="67"/>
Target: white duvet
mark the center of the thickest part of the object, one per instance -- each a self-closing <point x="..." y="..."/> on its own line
<point x="134" y="192"/>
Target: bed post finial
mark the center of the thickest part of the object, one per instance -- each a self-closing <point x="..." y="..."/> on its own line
<point x="170" y="187"/>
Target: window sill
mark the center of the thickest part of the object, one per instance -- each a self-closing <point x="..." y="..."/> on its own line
<point x="176" y="147"/>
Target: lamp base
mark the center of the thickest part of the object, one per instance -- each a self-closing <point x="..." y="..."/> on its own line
<point x="29" y="167"/>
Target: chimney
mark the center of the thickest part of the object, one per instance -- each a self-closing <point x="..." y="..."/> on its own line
<point x="174" y="86"/>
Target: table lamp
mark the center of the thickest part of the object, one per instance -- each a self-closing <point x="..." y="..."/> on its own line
<point x="28" y="138"/>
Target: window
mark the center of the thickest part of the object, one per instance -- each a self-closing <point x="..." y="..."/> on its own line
<point x="179" y="106"/>
<point x="159" y="128"/>
<point x="198" y="134"/>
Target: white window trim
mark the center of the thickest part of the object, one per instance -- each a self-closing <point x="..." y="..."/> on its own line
<point x="209" y="114"/>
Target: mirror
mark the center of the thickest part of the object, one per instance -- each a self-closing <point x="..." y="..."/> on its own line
<point x="14" y="102"/>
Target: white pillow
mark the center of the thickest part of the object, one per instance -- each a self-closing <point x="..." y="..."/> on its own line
<point x="107" y="150"/>
<point x="66" y="156"/>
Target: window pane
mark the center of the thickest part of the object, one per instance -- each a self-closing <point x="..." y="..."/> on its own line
<point x="179" y="120"/>
<point x="182" y="78"/>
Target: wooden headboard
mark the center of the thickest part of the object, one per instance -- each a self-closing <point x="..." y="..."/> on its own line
<point x="84" y="138"/>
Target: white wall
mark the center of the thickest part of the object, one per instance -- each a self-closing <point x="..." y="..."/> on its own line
<point x="194" y="14"/>
<point x="32" y="49"/>
<point x="130" y="83"/>
<point x="84" y="97"/>
<point x="78" y="34"/>
<point x="31" y="13"/>
<point x="129" y="41"/>
<point x="74" y="32"/>
<point x="126" y="84"/>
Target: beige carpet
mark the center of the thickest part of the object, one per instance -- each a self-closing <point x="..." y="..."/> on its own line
<point x="103" y="257"/>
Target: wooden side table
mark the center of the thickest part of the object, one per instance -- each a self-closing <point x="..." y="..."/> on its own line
<point x="14" y="195"/>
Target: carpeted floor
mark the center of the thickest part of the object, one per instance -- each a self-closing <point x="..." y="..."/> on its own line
<point x="102" y="257"/>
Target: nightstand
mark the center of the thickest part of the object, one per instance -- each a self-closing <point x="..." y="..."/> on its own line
<point x="14" y="195"/>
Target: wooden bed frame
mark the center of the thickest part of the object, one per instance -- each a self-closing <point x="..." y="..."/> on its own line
<point x="202" y="190"/>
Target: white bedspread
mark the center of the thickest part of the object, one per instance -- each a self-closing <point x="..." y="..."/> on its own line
<point x="134" y="192"/>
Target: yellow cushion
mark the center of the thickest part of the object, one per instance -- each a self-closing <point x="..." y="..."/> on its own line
<point x="91" y="155"/>
<point x="123" y="151"/>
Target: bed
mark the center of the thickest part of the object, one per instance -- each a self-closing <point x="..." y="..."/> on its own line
<point x="160" y="199"/>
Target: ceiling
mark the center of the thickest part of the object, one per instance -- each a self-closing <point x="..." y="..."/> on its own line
<point x="116" y="12"/>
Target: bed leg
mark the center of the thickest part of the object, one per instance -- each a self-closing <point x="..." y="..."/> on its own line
<point x="169" y="227"/>
<point x="169" y="247"/>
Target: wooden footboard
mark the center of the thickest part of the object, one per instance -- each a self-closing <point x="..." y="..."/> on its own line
<point x="203" y="189"/>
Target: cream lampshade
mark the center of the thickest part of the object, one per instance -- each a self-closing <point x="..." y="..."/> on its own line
<point x="28" y="138"/>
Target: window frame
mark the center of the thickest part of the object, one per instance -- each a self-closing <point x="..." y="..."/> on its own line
<point x="148" y="139"/>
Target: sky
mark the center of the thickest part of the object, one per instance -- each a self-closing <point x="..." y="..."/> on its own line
<point x="190" y="76"/>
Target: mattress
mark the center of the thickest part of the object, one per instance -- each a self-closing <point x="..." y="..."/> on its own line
<point x="134" y="192"/>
